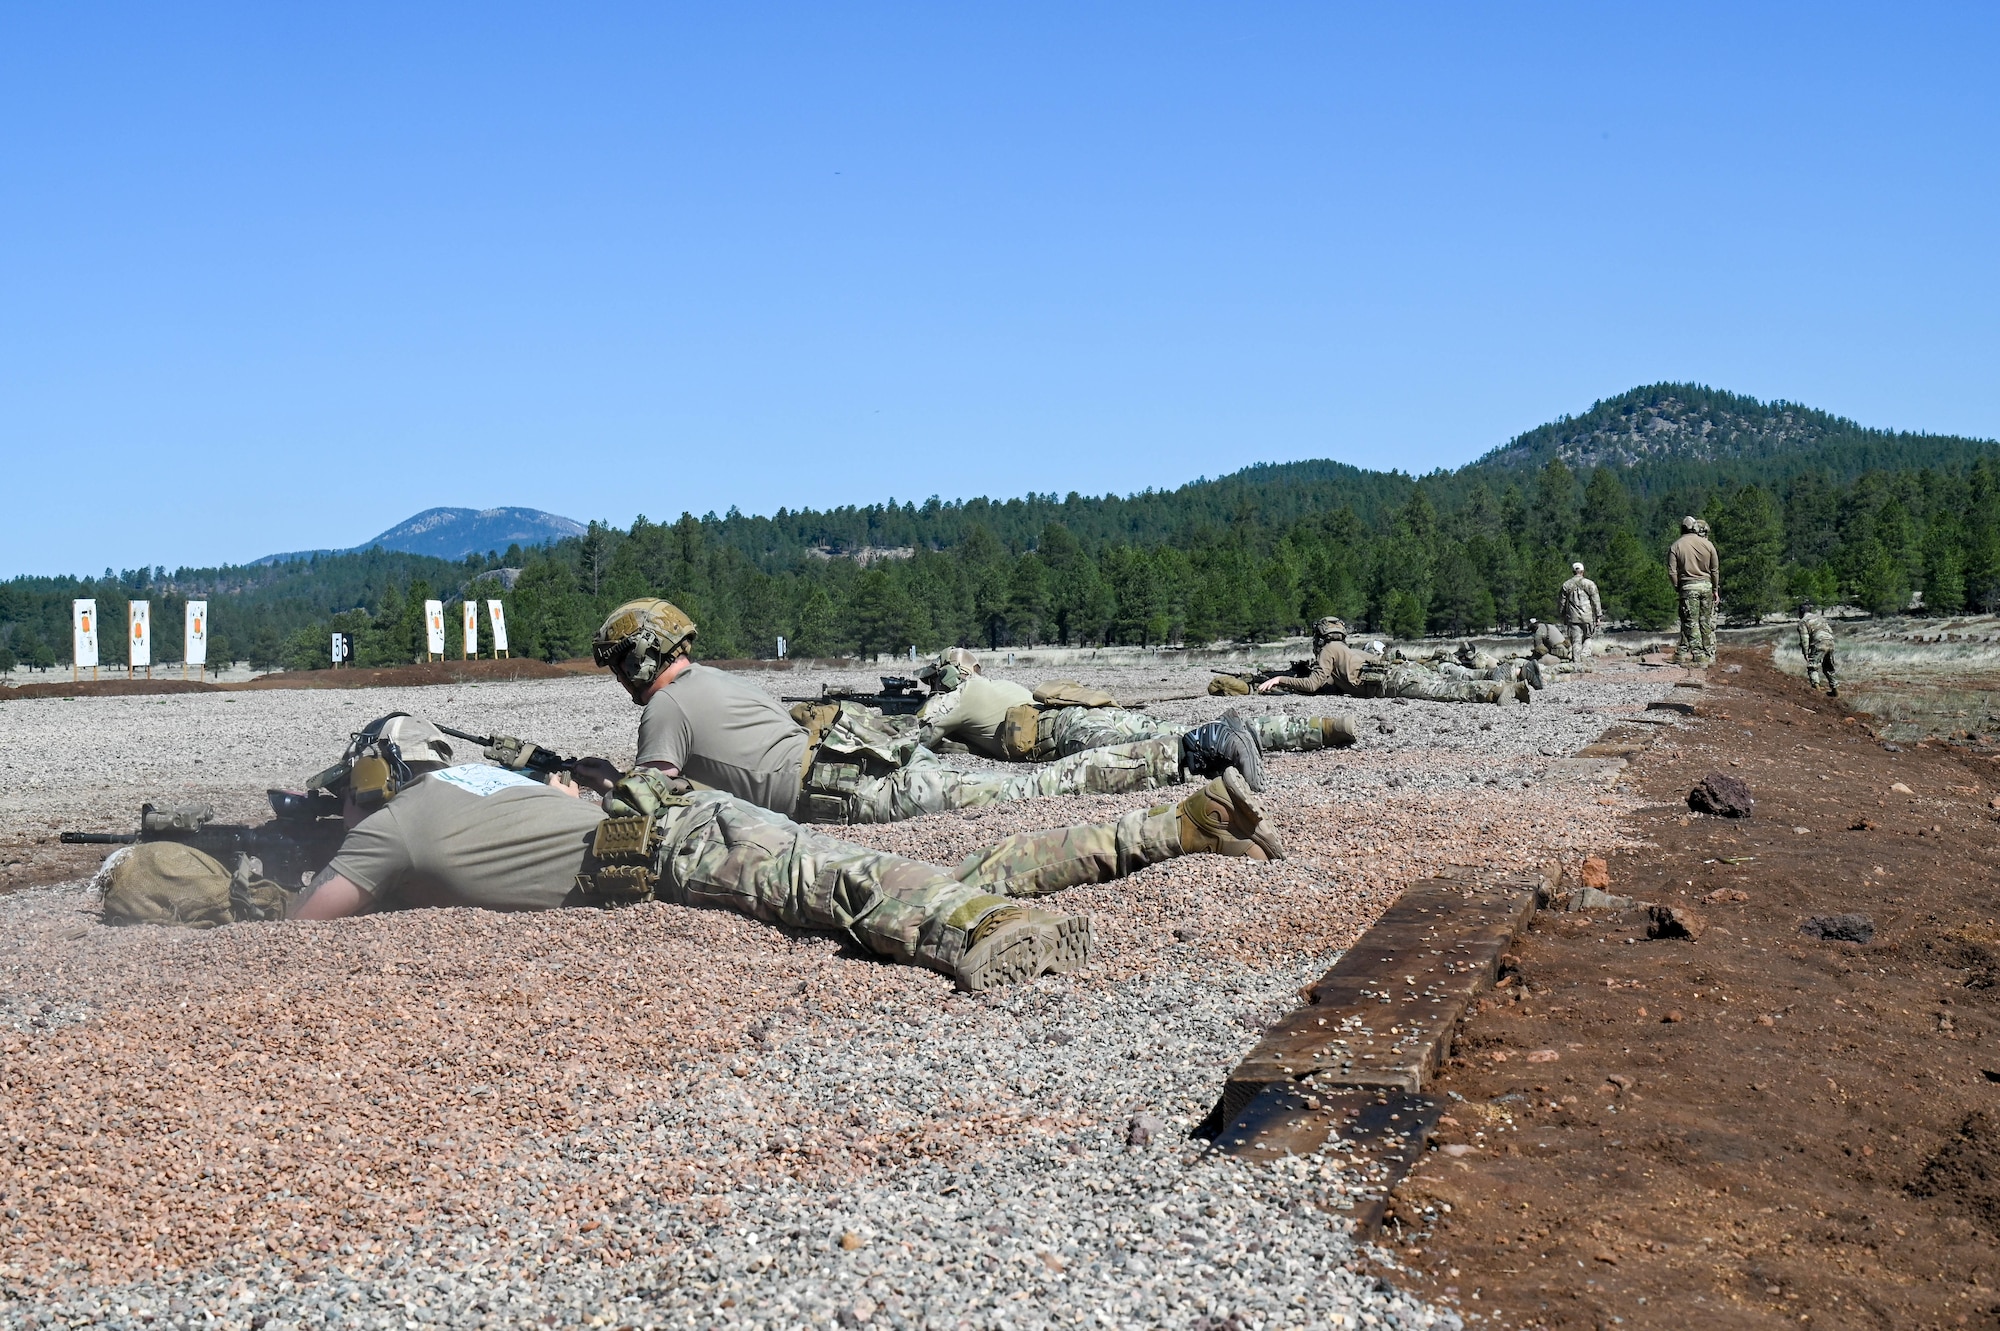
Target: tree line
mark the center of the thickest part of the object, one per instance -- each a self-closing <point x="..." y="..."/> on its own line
<point x="1246" y="559"/>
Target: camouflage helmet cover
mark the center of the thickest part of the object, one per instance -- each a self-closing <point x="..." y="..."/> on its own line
<point x="638" y="640"/>
<point x="949" y="669"/>
<point x="1690" y="523"/>
<point x="1330" y="628"/>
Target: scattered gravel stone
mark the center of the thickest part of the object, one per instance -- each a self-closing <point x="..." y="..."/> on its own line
<point x="666" y="1117"/>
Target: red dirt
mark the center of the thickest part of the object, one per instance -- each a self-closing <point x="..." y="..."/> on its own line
<point x="1758" y="1127"/>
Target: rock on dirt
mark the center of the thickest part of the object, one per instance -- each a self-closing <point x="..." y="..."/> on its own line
<point x="1674" y="922"/>
<point x="1851" y="928"/>
<point x="1723" y="795"/>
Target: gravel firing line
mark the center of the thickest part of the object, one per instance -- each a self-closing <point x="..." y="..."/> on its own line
<point x="424" y="1114"/>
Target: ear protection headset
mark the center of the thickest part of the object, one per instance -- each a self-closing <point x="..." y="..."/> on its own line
<point x="375" y="766"/>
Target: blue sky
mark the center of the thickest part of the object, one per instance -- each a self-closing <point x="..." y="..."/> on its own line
<point x="277" y="276"/>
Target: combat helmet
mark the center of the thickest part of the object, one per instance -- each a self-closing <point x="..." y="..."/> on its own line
<point x="1330" y="628"/>
<point x="382" y="758"/>
<point x="639" y="640"/>
<point x="949" y="669"/>
<point x="1690" y="523"/>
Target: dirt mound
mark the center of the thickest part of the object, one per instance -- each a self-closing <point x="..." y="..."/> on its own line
<point x="407" y="676"/>
<point x="411" y="676"/>
<point x="1966" y="1170"/>
<point x="108" y="688"/>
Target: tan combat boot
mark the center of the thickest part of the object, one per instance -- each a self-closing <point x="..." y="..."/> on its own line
<point x="1222" y="819"/>
<point x="1014" y="944"/>
<point x="1337" y="732"/>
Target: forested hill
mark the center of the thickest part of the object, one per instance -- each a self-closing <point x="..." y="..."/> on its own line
<point x="1664" y="433"/>
<point x="1665" y="439"/>
<point x="1803" y="503"/>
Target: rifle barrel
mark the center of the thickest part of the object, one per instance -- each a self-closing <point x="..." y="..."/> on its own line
<point x="99" y="838"/>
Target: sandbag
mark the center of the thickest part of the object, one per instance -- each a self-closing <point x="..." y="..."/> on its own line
<point x="1228" y="686"/>
<point x="1069" y="693"/>
<point x="166" y="882"/>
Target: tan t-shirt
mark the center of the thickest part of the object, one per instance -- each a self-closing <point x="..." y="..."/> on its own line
<point x="471" y="836"/>
<point x="1693" y="559"/>
<point x="726" y="733"/>
<point x="1336" y="669"/>
<point x="973" y="712"/>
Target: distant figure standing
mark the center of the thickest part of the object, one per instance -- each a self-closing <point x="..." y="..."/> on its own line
<point x="1816" y="645"/>
<point x="1697" y="574"/>
<point x="1582" y="611"/>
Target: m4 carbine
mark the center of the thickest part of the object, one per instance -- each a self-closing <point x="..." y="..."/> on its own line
<point x="518" y="755"/>
<point x="296" y="844"/>
<point x="900" y="696"/>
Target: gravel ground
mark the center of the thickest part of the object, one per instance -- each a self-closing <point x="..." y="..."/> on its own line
<point x="676" y="1118"/>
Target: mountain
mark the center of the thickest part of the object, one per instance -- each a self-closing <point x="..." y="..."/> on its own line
<point x="1673" y="426"/>
<point x="453" y="533"/>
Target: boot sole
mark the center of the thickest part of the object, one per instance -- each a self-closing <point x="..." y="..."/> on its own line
<point x="1074" y="942"/>
<point x="1014" y="953"/>
<point x="1252" y="757"/>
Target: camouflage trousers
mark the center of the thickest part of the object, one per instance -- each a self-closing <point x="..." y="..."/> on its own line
<point x="1063" y="731"/>
<point x="1819" y="667"/>
<point x="924" y="785"/>
<point x="1697" y="646"/>
<point x="1578" y="635"/>
<point x="720" y="852"/>
<point x="1445" y="682"/>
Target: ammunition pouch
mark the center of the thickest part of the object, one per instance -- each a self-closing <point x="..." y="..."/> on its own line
<point x="1018" y="732"/>
<point x="644" y="792"/>
<point x="826" y="795"/>
<point x="623" y="864"/>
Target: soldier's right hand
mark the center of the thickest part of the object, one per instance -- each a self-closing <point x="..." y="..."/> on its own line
<point x="599" y="774"/>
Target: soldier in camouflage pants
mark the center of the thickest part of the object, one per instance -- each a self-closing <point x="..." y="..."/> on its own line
<point x="721" y="852"/>
<point x="1816" y="646"/>
<point x="1063" y="731"/>
<point x="843" y="792"/>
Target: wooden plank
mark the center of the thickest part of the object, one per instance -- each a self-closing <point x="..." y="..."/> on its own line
<point x="1389" y="1127"/>
<point x="1385" y="1015"/>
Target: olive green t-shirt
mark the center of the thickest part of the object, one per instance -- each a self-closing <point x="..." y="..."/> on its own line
<point x="973" y="712"/>
<point x="726" y="733"/>
<point x="471" y="836"/>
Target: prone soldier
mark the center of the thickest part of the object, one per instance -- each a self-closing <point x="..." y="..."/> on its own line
<point x="832" y="762"/>
<point x="1004" y="720"/>
<point x="1338" y="668"/>
<point x="423" y="832"/>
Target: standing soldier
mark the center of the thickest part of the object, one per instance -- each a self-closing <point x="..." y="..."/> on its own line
<point x="1697" y="574"/>
<point x="1816" y="645"/>
<point x="1582" y="612"/>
